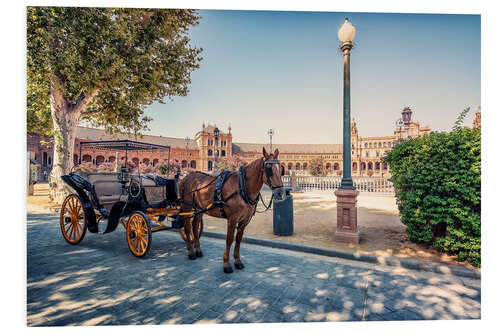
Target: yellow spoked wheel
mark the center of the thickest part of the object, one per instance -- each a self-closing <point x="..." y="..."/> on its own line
<point x="72" y="221"/>
<point x="138" y="234"/>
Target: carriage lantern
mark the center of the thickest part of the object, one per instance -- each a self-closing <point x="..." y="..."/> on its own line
<point x="123" y="176"/>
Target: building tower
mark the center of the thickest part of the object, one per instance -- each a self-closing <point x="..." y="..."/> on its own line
<point x="477" y="119"/>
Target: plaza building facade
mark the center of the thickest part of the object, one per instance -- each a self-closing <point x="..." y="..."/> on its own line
<point x="200" y="152"/>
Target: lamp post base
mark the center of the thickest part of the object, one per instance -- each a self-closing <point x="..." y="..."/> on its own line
<point x="347" y="216"/>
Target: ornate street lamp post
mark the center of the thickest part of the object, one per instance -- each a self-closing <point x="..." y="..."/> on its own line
<point x="216" y="136"/>
<point x="271" y="133"/>
<point x="347" y="220"/>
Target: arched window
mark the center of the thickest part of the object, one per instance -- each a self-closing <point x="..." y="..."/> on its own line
<point x="328" y="166"/>
<point x="304" y="166"/>
<point x="155" y="162"/>
<point x="135" y="161"/>
<point x="363" y="166"/>
<point x="184" y="164"/>
<point x="210" y="153"/>
<point x="99" y="159"/>
<point x="367" y="154"/>
<point x="44" y="159"/>
<point x="193" y="164"/>
<point x="87" y="158"/>
<point x="209" y="165"/>
<point x="290" y="166"/>
<point x="335" y="166"/>
<point x="145" y="161"/>
<point x="370" y="166"/>
<point x="111" y="159"/>
<point x="377" y="153"/>
<point x="366" y="145"/>
<point x="208" y="142"/>
<point x="297" y="166"/>
<point x="354" y="166"/>
<point x="223" y="153"/>
<point x="384" y="166"/>
<point x="379" y="144"/>
<point x="377" y="165"/>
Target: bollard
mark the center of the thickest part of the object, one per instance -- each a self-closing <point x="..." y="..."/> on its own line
<point x="283" y="215"/>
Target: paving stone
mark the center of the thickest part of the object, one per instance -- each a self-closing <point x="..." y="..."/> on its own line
<point x="99" y="282"/>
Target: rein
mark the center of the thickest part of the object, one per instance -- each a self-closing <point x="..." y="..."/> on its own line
<point x="263" y="203"/>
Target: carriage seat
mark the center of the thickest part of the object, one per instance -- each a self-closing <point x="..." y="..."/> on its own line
<point x="107" y="187"/>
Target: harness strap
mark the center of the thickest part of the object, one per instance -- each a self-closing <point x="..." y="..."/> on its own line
<point x="242" y="184"/>
<point x="218" y="192"/>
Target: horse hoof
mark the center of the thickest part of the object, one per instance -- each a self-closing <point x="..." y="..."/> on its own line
<point x="192" y="256"/>
<point x="239" y="265"/>
<point x="228" y="269"/>
<point x="199" y="254"/>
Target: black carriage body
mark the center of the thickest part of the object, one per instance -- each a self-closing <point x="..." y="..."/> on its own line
<point x="124" y="207"/>
<point x="124" y="204"/>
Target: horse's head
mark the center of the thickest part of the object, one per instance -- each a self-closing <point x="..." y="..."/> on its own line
<point x="273" y="171"/>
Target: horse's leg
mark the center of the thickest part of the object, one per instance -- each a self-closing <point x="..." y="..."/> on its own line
<point x="188" y="230"/>
<point x="196" y="233"/>
<point x="239" y="236"/>
<point x="231" y="225"/>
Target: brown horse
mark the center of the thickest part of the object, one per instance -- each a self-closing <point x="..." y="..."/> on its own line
<point x="197" y="192"/>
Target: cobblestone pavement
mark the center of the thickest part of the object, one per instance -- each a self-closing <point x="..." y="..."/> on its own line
<point x="99" y="282"/>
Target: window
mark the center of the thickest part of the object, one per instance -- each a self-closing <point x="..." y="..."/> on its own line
<point x="223" y="153"/>
<point x="366" y="145"/>
<point x="209" y="165"/>
<point x="377" y="153"/>
<point x="367" y="154"/>
<point x="210" y="152"/>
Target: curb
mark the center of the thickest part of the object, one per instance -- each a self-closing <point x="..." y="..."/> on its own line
<point x="369" y="258"/>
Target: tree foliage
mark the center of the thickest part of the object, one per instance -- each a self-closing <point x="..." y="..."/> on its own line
<point x="460" y="119"/>
<point x="117" y="60"/>
<point x="437" y="179"/>
<point x="231" y="163"/>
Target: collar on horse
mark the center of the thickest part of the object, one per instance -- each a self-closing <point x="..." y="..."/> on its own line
<point x="242" y="184"/>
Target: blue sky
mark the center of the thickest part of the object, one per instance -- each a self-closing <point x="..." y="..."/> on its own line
<point x="283" y="70"/>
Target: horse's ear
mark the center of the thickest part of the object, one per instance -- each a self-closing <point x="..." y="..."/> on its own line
<point x="264" y="152"/>
<point x="276" y="153"/>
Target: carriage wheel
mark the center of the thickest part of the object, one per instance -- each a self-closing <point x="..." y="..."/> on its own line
<point x="72" y="221"/>
<point x="138" y="234"/>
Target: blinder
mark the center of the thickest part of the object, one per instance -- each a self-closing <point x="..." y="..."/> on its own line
<point x="268" y="169"/>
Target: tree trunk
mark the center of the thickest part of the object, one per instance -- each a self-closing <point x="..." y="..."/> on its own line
<point x="65" y="117"/>
<point x="64" y="123"/>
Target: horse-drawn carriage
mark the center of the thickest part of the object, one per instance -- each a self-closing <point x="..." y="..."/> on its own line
<point x="143" y="204"/>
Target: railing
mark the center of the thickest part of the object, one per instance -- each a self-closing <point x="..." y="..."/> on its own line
<point x="362" y="184"/>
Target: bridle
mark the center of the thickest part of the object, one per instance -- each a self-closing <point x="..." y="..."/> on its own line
<point x="268" y="170"/>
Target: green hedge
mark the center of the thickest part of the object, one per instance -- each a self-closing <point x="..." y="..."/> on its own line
<point x="437" y="179"/>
